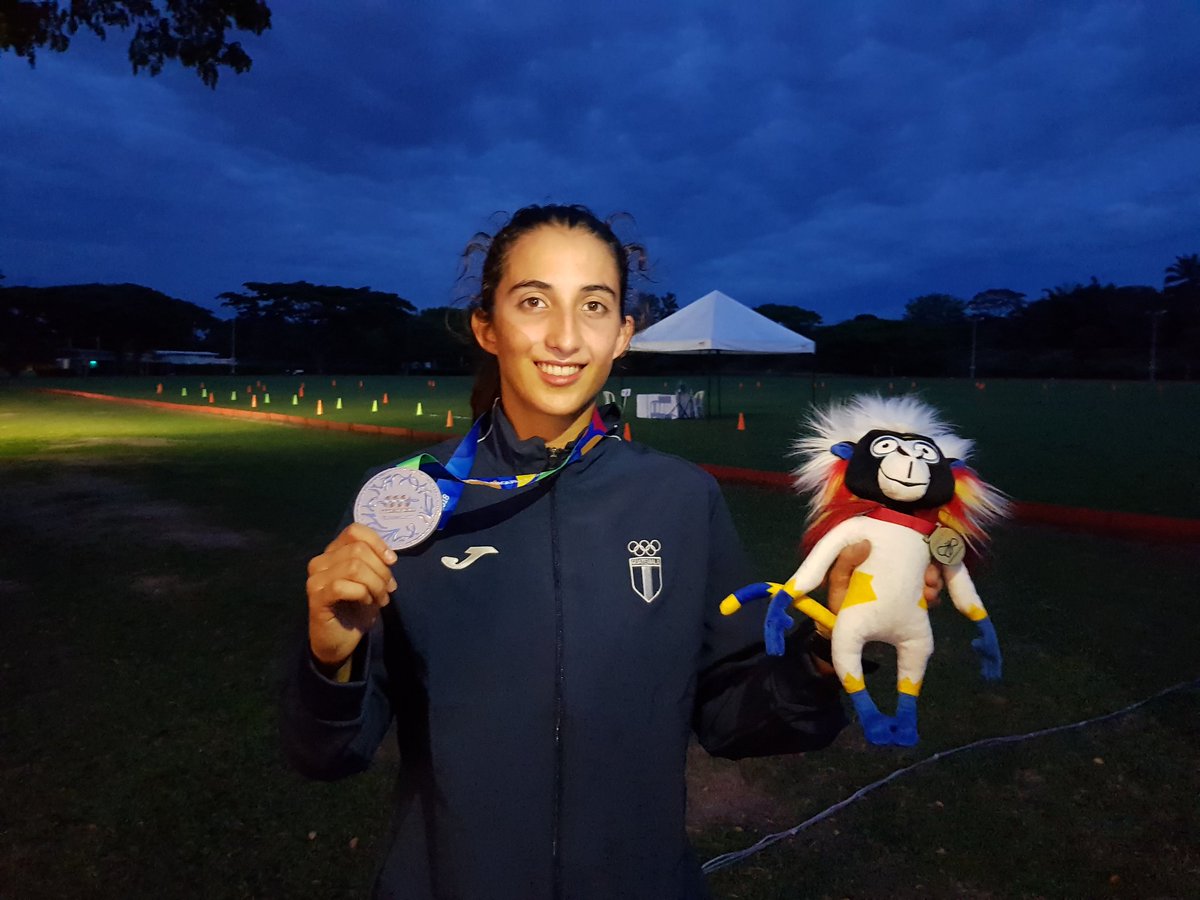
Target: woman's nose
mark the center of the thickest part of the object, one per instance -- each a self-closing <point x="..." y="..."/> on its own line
<point x="563" y="335"/>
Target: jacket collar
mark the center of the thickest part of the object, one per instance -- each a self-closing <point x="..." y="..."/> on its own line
<point x="512" y="455"/>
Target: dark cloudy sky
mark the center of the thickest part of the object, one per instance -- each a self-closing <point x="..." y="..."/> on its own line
<point x="843" y="157"/>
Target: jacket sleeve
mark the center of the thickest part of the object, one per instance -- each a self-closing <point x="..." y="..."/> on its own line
<point x="332" y="730"/>
<point x="748" y="703"/>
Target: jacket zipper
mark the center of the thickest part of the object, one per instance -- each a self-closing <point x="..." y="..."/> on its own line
<point x="558" y="695"/>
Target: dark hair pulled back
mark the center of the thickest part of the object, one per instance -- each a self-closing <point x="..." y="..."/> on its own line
<point x="494" y="248"/>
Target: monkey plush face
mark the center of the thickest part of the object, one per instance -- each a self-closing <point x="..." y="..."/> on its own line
<point x="903" y="471"/>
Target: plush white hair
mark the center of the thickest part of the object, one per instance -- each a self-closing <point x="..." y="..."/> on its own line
<point x="850" y="419"/>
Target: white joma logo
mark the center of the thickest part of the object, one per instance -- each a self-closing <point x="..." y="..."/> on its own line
<point x="473" y="553"/>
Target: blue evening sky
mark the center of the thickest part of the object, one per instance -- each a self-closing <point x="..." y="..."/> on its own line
<point x="843" y="157"/>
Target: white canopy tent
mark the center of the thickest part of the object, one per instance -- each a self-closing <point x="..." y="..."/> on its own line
<point x="716" y="323"/>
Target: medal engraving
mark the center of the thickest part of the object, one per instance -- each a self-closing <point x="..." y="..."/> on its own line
<point x="402" y="506"/>
<point x="947" y="546"/>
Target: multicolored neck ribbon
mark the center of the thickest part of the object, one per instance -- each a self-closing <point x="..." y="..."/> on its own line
<point x="454" y="475"/>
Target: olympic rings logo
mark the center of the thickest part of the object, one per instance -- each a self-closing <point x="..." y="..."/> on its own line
<point x="644" y="548"/>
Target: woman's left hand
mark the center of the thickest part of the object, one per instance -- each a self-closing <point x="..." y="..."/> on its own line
<point x="853" y="557"/>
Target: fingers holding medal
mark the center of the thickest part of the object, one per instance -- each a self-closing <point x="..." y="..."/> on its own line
<point x="347" y="585"/>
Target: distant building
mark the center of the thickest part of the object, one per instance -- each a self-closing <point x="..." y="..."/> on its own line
<point x="72" y="361"/>
<point x="84" y="362"/>
<point x="186" y="358"/>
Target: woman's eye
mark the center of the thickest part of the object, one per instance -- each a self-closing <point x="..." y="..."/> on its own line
<point x="594" y="306"/>
<point x="533" y="302"/>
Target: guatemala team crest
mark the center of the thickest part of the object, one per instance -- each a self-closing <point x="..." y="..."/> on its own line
<point x="645" y="569"/>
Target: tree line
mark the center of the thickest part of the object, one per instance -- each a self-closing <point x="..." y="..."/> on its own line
<point x="1080" y="330"/>
<point x="1073" y="331"/>
<point x="275" y="327"/>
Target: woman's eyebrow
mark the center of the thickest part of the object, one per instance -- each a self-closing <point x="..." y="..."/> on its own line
<point x="543" y="286"/>
<point x="593" y="288"/>
<point x="529" y="283"/>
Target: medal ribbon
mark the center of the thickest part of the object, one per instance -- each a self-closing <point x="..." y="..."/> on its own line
<point x="453" y="476"/>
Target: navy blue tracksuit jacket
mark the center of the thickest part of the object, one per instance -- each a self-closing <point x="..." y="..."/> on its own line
<point x="544" y="694"/>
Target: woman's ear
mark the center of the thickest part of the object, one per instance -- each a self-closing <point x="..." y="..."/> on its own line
<point x="624" y="338"/>
<point x="485" y="334"/>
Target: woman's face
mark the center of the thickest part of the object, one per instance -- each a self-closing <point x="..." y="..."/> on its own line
<point x="555" y="328"/>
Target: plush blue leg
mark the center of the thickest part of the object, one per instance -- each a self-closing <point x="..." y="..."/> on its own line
<point x="877" y="728"/>
<point x="905" y="733"/>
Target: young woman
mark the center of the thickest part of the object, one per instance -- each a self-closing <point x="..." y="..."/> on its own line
<point x="548" y="651"/>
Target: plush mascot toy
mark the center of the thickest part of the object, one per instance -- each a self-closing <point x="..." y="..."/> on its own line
<point x="891" y="472"/>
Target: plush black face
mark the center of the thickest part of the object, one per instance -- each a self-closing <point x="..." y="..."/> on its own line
<point x="902" y="471"/>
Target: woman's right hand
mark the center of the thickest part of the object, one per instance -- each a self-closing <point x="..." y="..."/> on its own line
<point x="347" y="586"/>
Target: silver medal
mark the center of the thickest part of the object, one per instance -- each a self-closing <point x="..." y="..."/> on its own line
<point x="947" y="546"/>
<point x="402" y="506"/>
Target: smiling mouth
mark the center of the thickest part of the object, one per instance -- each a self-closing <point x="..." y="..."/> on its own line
<point x="559" y="370"/>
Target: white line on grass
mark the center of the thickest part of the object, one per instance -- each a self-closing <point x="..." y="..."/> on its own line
<point x="728" y="859"/>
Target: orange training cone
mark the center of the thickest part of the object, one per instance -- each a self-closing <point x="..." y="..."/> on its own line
<point x="628" y="434"/>
<point x="449" y="419"/>
<point x="254" y="401"/>
<point x="320" y="408"/>
<point x="741" y="422"/>
<point x="385" y="398"/>
<point x="212" y="398"/>
<point x="158" y="390"/>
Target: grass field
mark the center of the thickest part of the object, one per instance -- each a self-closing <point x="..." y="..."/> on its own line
<point x="151" y="591"/>
<point x="1103" y="445"/>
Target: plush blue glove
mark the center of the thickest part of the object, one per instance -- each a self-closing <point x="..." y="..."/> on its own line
<point x="778" y="623"/>
<point x="988" y="649"/>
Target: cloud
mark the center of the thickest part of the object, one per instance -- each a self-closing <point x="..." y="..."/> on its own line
<point x="843" y="158"/>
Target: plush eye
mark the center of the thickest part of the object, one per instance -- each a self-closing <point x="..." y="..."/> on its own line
<point x="884" y="445"/>
<point x="925" y="451"/>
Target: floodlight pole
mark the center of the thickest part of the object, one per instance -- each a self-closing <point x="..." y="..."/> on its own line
<point x="974" y="330"/>
<point x="1154" y="317"/>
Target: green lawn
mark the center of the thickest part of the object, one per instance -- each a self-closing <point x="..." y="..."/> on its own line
<point x="151" y="591"/>
<point x="1100" y="445"/>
